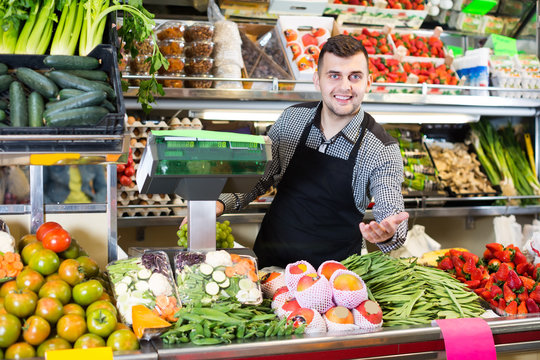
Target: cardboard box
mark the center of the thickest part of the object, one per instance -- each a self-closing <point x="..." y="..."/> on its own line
<point x="297" y="7"/>
<point x="294" y="22"/>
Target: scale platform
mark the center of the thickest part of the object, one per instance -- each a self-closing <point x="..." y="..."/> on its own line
<point x="199" y="165"/>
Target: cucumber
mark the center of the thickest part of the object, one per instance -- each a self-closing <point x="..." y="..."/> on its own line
<point x="5" y="81"/>
<point x="144" y="274"/>
<point x="142" y="285"/>
<point x="18" y="107"/>
<point x="3" y="116"/>
<point x="51" y="103"/>
<point x="108" y="105"/>
<point x="206" y="269"/>
<point x="35" y="109"/>
<point x="67" y="93"/>
<point x="37" y="82"/>
<point x="69" y="62"/>
<point x="211" y="288"/>
<point x="245" y="284"/>
<point x="89" y="115"/>
<point x="97" y="75"/>
<point x="219" y="276"/>
<point x="3" y="105"/>
<point x="225" y="284"/>
<point x="86" y="99"/>
<point x="65" y="80"/>
<point x="3" y="69"/>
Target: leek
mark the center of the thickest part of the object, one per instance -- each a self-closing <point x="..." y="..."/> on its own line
<point x="35" y="36"/>
<point x="68" y="29"/>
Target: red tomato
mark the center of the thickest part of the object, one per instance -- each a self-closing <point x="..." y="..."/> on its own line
<point x="130" y="171"/>
<point x="124" y="180"/>
<point x="120" y="168"/>
<point x="45" y="228"/>
<point x="56" y="240"/>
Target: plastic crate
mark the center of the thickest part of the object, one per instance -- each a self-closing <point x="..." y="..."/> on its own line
<point x="111" y="124"/>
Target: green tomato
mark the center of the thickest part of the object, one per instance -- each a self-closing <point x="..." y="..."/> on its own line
<point x="101" y="322"/>
<point x="123" y="339"/>
<point x="88" y="340"/>
<point x="44" y="261"/>
<point x="101" y="304"/>
<point x="57" y="343"/>
<point x="10" y="329"/>
<point x="72" y="251"/>
<point x="87" y="292"/>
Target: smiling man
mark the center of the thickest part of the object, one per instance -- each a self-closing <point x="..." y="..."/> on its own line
<point x="329" y="159"/>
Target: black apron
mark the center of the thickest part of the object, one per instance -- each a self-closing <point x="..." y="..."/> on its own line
<point x="313" y="216"/>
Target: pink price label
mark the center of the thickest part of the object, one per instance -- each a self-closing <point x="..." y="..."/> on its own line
<point x="467" y="339"/>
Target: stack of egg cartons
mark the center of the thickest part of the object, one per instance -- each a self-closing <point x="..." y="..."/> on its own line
<point x="228" y="61"/>
<point x="141" y="204"/>
<point x="504" y="74"/>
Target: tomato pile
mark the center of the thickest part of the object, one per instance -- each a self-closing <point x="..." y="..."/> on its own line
<point x="374" y="41"/>
<point x="504" y="277"/>
<point x="420" y="46"/>
<point x="124" y="172"/>
<point x="59" y="300"/>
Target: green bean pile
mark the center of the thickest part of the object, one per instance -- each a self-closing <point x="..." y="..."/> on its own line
<point x="412" y="294"/>
<point x="223" y="322"/>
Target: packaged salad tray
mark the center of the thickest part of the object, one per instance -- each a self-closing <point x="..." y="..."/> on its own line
<point x="144" y="280"/>
<point x="214" y="275"/>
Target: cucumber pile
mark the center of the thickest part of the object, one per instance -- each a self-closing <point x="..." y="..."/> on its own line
<point x="71" y="93"/>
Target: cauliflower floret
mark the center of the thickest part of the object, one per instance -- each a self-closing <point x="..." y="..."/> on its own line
<point x="218" y="258"/>
<point x="7" y="242"/>
<point x="159" y="285"/>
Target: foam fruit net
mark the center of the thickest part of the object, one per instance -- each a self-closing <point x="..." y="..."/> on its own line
<point x="280" y="299"/>
<point x="269" y="288"/>
<point x="291" y="280"/>
<point x="364" y="323"/>
<point x="317" y="297"/>
<point x="348" y="298"/>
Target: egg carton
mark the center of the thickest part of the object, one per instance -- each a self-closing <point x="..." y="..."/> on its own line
<point x="151" y="199"/>
<point x="137" y="154"/>
<point x="511" y="80"/>
<point x="134" y="189"/>
<point x="137" y="143"/>
<point x="180" y="205"/>
<point x="158" y="211"/>
<point x="185" y="123"/>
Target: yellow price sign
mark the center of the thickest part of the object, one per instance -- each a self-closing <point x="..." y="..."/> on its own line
<point x="53" y="159"/>
<point x="101" y="353"/>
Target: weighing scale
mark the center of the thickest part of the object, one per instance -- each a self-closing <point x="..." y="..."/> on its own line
<point x="199" y="165"/>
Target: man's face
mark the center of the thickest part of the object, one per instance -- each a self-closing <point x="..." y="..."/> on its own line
<point x="343" y="83"/>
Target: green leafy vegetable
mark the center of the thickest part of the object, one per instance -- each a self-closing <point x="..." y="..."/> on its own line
<point x="36" y="33"/>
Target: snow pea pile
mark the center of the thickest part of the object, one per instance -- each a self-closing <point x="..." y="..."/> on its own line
<point x="226" y="321"/>
<point x="412" y="294"/>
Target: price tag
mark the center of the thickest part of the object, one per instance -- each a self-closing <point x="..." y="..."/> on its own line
<point x="101" y="353"/>
<point x="467" y="339"/>
<point x="502" y="45"/>
<point x="52" y="159"/>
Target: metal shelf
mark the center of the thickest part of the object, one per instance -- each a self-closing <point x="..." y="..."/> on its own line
<point x="200" y="99"/>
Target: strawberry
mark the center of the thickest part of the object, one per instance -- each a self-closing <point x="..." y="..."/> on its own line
<point x="488" y="255"/>
<point x="485" y="294"/>
<point x="477" y="274"/>
<point x="504" y="255"/>
<point x="467" y="255"/>
<point x="472" y="284"/>
<point x="508" y="294"/>
<point x="528" y="283"/>
<point x="469" y="266"/>
<point x="491" y="280"/>
<point x="502" y="304"/>
<point x="513" y="280"/>
<point x="496" y="292"/>
<point x="519" y="258"/>
<point x="523" y="295"/>
<point x="502" y="273"/>
<point x="522" y="308"/>
<point x="511" y="308"/>
<point x="493" y="264"/>
<point x="493" y="247"/>
<point x="536" y="272"/>
<point x="458" y="263"/>
<point x="445" y="263"/>
<point x="535" y="294"/>
<point x="524" y="268"/>
<point x="532" y="306"/>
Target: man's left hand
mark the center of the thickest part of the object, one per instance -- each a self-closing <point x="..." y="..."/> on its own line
<point x="376" y="233"/>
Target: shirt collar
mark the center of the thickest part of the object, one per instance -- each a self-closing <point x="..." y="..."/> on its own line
<point x="351" y="132"/>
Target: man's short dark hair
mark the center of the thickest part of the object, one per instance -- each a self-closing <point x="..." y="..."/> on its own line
<point x="342" y="46"/>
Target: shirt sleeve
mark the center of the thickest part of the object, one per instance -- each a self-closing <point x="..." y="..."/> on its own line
<point x="385" y="186"/>
<point x="237" y="201"/>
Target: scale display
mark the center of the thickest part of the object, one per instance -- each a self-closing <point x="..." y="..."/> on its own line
<point x="199" y="165"/>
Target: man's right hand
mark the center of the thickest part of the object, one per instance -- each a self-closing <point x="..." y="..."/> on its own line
<point x="219" y="211"/>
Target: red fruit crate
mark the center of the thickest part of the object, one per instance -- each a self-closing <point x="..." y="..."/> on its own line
<point x="377" y="41"/>
<point x="420" y="44"/>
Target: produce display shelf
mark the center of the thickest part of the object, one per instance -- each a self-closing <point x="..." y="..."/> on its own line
<point x="511" y="335"/>
<point x="197" y="99"/>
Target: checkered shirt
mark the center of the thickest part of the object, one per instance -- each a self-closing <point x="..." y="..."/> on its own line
<point x="378" y="172"/>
